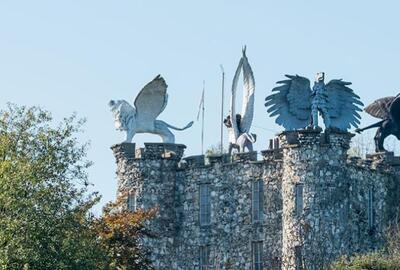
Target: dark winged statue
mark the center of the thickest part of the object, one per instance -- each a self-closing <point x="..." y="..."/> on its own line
<point x="297" y="105"/>
<point x="387" y="109"/>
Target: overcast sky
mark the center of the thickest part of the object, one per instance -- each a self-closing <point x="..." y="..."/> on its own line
<point x="68" y="56"/>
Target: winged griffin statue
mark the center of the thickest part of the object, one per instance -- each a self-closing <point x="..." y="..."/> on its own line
<point x="297" y="105"/>
<point x="387" y="109"/>
<point x="239" y="134"/>
<point x="142" y="118"/>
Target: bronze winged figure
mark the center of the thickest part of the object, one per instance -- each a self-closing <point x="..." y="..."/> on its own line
<point x="387" y="109"/>
<point x="296" y="105"/>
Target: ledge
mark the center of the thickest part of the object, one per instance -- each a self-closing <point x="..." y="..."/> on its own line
<point x="150" y="151"/>
<point x="163" y="151"/>
<point x="246" y="156"/>
<point x="297" y="138"/>
<point x="124" y="150"/>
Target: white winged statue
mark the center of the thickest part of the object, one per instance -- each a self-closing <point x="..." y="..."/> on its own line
<point x="142" y="118"/>
<point x="239" y="134"/>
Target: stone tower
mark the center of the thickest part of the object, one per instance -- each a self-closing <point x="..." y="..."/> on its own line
<point x="149" y="176"/>
<point x="332" y="206"/>
<point x="314" y="190"/>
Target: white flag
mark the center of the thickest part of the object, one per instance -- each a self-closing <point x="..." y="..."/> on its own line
<point x="201" y="105"/>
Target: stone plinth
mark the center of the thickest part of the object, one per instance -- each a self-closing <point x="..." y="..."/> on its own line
<point x="124" y="150"/>
<point x="163" y="150"/>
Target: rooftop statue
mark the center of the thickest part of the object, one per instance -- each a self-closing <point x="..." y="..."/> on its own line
<point x="142" y="118"/>
<point x="387" y="109"/>
<point x="239" y="134"/>
<point x="297" y="105"/>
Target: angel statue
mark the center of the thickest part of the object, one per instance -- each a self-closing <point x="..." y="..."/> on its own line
<point x="297" y="105"/>
<point x="149" y="104"/>
<point x="239" y="125"/>
<point x="387" y="109"/>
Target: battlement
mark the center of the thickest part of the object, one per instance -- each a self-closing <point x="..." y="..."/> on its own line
<point x="150" y="151"/>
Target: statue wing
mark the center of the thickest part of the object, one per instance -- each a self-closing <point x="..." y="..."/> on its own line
<point x="343" y="105"/>
<point x="233" y="99"/>
<point x="380" y="108"/>
<point x="151" y="101"/>
<point x="248" y="95"/>
<point x="395" y="109"/>
<point x="291" y="102"/>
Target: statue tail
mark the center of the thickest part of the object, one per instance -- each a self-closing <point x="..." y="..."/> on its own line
<point x="251" y="137"/>
<point x="185" y="127"/>
<point x="378" y="124"/>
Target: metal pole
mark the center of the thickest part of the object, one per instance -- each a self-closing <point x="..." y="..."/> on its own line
<point x="222" y="109"/>
<point x="202" y="121"/>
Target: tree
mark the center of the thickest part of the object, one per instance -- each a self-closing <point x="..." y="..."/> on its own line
<point x="44" y="203"/>
<point x="121" y="232"/>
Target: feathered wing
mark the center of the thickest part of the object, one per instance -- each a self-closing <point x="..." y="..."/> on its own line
<point x="380" y="108"/>
<point x="291" y="102"/>
<point x="343" y="105"/>
<point x="248" y="95"/>
<point x="233" y="99"/>
<point x="151" y="101"/>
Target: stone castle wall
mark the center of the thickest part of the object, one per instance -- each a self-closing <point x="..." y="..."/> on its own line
<point x="345" y="203"/>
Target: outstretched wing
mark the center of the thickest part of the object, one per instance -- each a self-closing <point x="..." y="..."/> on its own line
<point x="380" y="108"/>
<point x="343" y="105"/>
<point x="291" y="102"/>
<point x="248" y="95"/>
<point x="151" y="101"/>
<point x="233" y="99"/>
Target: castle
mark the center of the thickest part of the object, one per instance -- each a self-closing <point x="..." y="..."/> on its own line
<point x="303" y="205"/>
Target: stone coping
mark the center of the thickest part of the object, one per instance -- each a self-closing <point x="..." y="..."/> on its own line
<point x="175" y="152"/>
<point x="150" y="151"/>
<point x="296" y="138"/>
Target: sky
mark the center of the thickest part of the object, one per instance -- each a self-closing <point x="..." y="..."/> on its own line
<point x="74" y="56"/>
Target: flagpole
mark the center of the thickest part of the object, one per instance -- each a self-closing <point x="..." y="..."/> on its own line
<point x="201" y="109"/>
<point x="222" y="109"/>
<point x="202" y="120"/>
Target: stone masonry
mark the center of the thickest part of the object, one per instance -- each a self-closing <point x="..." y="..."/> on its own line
<point x="317" y="203"/>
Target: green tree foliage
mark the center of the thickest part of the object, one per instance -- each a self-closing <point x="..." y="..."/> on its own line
<point x="44" y="203"/>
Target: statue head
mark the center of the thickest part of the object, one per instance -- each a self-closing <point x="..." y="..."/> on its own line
<point x="228" y="122"/>
<point x="320" y="77"/>
<point x="123" y="114"/>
